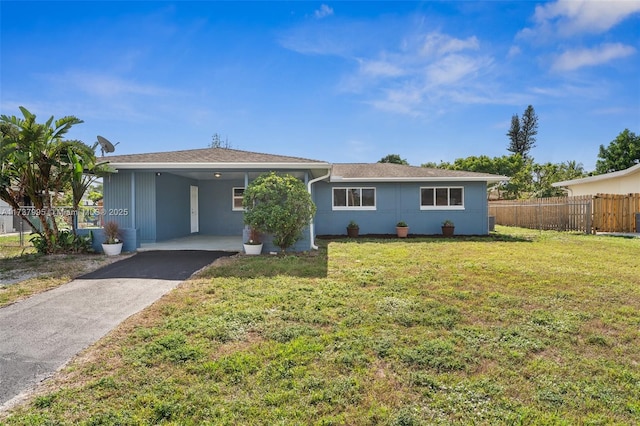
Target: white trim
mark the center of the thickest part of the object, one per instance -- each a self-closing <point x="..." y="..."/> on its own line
<point x="361" y="207"/>
<point x="311" y="222"/>
<point x="233" y="199"/>
<point x="597" y="178"/>
<point x="441" y="207"/>
<point x="352" y="208"/>
<point x="448" y="206"/>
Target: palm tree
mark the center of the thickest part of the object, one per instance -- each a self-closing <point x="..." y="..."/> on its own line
<point x="37" y="164"/>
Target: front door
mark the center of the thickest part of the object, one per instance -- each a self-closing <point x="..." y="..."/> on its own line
<point x="194" y="209"/>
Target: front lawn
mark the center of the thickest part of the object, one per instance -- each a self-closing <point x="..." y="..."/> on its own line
<point x="524" y="327"/>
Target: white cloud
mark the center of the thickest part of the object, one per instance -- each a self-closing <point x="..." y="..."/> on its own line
<point x="380" y="68"/>
<point x="103" y="95"/>
<point x="400" y="68"/>
<point x="405" y="100"/>
<point x="103" y="85"/>
<point x="573" y="59"/>
<point x="323" y="12"/>
<point x="441" y="44"/>
<point x="420" y="73"/>
<point x="452" y="69"/>
<point x="570" y="17"/>
<point x="514" y="51"/>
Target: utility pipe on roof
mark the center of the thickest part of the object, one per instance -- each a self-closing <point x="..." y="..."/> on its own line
<point x="311" y="229"/>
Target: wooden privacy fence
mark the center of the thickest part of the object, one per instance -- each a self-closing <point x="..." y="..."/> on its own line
<point x="554" y="213"/>
<point x="601" y="213"/>
<point x="616" y="212"/>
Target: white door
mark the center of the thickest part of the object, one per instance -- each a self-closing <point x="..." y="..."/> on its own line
<point x="194" y="209"/>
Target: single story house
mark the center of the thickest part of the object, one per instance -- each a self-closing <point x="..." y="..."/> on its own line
<point x="621" y="182"/>
<point x="167" y="195"/>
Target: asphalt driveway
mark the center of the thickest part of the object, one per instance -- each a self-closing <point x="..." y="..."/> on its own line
<point x="41" y="334"/>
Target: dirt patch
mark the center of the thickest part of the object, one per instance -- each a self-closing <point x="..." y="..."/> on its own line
<point x="24" y="276"/>
<point x="16" y="270"/>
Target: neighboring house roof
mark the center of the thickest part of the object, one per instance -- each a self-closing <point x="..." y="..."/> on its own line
<point x="613" y="175"/>
<point x="209" y="157"/>
<point x="391" y="172"/>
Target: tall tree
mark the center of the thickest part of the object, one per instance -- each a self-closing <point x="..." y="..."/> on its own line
<point x="623" y="152"/>
<point x="37" y="164"/>
<point x="514" y="135"/>
<point x="393" y="158"/>
<point x="522" y="134"/>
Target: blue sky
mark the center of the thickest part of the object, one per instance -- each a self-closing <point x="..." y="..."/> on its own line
<point x="333" y="81"/>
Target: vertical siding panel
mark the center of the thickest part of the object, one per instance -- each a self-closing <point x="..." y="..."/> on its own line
<point x="145" y="212"/>
<point x="117" y="198"/>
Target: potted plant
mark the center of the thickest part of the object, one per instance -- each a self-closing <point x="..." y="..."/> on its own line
<point x="447" y="228"/>
<point x="112" y="245"/>
<point x="402" y="229"/>
<point x="253" y="246"/>
<point x="353" y="229"/>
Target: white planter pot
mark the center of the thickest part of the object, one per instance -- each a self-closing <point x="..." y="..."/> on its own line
<point x="253" y="249"/>
<point x="112" y="249"/>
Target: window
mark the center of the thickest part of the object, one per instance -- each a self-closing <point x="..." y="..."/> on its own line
<point x="442" y="198"/>
<point x="238" y="193"/>
<point x="354" y="198"/>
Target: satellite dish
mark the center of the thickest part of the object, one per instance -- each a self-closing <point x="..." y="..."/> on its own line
<point x="105" y="145"/>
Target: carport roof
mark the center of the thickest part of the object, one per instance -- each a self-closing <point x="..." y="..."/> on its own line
<point x="208" y="157"/>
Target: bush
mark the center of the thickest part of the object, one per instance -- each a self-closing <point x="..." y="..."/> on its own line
<point x="64" y="242"/>
<point x="278" y="205"/>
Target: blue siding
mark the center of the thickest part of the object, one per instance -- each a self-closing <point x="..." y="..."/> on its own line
<point x="118" y="206"/>
<point x="173" y="217"/>
<point x="145" y="208"/>
<point x="401" y="201"/>
<point x="117" y="199"/>
<point x="217" y="216"/>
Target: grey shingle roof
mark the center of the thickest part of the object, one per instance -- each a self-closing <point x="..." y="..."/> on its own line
<point x="206" y="155"/>
<point x="391" y="171"/>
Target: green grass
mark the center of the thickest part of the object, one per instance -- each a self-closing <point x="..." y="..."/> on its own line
<point x="524" y="327"/>
<point x="10" y="246"/>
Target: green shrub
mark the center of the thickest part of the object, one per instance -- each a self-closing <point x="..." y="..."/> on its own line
<point x="278" y="205"/>
<point x="64" y="242"/>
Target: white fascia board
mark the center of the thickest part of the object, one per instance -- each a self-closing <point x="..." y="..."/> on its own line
<point x="597" y="178"/>
<point x="337" y="179"/>
<point x="221" y="166"/>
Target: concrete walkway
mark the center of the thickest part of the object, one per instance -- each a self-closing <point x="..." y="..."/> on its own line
<point x="41" y="334"/>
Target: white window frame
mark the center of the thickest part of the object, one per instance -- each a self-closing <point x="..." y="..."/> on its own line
<point x="448" y="206"/>
<point x="348" y="188"/>
<point x="234" y="198"/>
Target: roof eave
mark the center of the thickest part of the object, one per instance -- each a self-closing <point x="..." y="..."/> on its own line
<point x="337" y="179"/>
<point x="251" y="166"/>
<point x="589" y="179"/>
